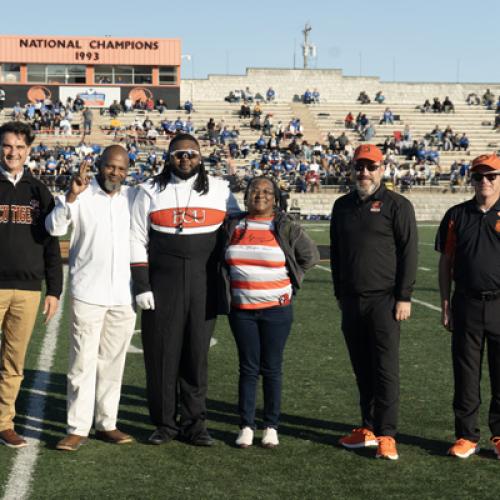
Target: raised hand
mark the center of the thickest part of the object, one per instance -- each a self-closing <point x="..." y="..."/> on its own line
<point x="79" y="182"/>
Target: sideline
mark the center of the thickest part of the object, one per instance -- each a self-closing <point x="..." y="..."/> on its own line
<point x="419" y="302"/>
<point x="21" y="474"/>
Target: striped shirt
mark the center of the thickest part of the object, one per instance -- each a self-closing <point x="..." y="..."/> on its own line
<point x="257" y="266"/>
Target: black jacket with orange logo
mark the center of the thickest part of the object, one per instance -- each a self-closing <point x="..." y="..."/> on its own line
<point x="373" y="245"/>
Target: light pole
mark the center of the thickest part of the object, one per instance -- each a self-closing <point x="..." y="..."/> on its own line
<point x="189" y="57"/>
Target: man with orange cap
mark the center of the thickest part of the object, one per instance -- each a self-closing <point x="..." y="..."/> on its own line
<point x="469" y="242"/>
<point x="374" y="263"/>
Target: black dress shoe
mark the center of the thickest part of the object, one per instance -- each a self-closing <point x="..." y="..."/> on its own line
<point x="160" y="436"/>
<point x="203" y="439"/>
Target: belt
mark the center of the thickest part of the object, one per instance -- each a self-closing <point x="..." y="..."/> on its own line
<point x="486" y="295"/>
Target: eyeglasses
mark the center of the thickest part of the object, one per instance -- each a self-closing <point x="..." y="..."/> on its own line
<point x="478" y="177"/>
<point x="179" y="154"/>
<point x="371" y="167"/>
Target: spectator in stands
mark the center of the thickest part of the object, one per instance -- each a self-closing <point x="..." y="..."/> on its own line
<point x="426" y="107"/>
<point x="315" y="96"/>
<point x="379" y="97"/>
<point x="260" y="144"/>
<point x="150" y="105"/>
<point x="161" y="106"/>
<point x="437" y="107"/>
<point x="17" y="112"/>
<point x="349" y="120"/>
<point x="307" y="97"/>
<point x="488" y="99"/>
<point x="114" y="109"/>
<point x="464" y="142"/>
<point x="270" y="94"/>
<point x="255" y="122"/>
<point x="473" y="99"/>
<point x="245" y="110"/>
<point x="257" y="109"/>
<point x="248" y="95"/>
<point x="78" y="104"/>
<point x="448" y="106"/>
<point x="2" y="99"/>
<point x="65" y="127"/>
<point x="128" y="105"/>
<point x="188" y="107"/>
<point x="88" y="118"/>
<point x="387" y="117"/>
<point x="363" y="98"/>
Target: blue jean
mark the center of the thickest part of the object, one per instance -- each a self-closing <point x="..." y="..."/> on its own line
<point x="260" y="336"/>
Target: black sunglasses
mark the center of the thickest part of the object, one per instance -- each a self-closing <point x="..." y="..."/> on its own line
<point x="478" y="177"/>
<point x="179" y="154"/>
<point x="371" y="167"/>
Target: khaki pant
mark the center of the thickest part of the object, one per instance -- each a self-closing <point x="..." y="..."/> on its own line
<point x="18" y="310"/>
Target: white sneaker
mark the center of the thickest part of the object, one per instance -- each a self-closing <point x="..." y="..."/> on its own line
<point x="270" y="438"/>
<point x="245" y="437"/>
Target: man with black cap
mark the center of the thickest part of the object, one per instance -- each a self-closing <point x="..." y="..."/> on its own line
<point x="374" y="262"/>
<point x="469" y="242"/>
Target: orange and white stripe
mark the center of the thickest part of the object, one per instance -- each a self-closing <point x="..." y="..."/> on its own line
<point x="259" y="278"/>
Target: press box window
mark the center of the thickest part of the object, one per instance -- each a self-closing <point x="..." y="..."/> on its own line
<point x="123" y="75"/>
<point x="56" y="73"/>
<point x="10" y="73"/>
<point x="168" y="75"/>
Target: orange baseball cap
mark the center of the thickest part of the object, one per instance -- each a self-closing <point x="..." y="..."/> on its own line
<point x="492" y="161"/>
<point x="368" y="152"/>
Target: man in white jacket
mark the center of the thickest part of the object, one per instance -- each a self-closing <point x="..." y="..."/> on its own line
<point x="103" y="318"/>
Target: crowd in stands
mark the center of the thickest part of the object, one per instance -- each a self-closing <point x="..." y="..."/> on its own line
<point x="279" y="148"/>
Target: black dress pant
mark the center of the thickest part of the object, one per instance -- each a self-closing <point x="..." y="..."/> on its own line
<point x="476" y="323"/>
<point x="372" y="337"/>
<point x="176" y="334"/>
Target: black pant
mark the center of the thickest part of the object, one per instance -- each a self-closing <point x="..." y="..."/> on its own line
<point x="372" y="338"/>
<point x="476" y="323"/>
<point x="176" y="334"/>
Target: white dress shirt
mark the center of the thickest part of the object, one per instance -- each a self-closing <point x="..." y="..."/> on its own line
<point x="99" y="255"/>
<point x="14" y="178"/>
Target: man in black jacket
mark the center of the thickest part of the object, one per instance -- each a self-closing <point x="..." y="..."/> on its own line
<point x="28" y="255"/>
<point x="374" y="263"/>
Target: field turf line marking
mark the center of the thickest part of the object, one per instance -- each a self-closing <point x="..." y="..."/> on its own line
<point x="420" y="302"/>
<point x="426" y="304"/>
<point x="21" y="474"/>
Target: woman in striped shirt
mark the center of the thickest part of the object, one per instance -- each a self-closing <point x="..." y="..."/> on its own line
<point x="266" y="256"/>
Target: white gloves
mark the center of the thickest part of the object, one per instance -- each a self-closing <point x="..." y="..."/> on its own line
<point x="145" y="300"/>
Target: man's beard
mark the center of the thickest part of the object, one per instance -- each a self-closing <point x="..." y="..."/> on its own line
<point x="184" y="175"/>
<point x="108" y="186"/>
<point x="365" y="192"/>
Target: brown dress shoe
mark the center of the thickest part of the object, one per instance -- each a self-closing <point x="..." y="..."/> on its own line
<point x="71" y="442"/>
<point x="12" y="439"/>
<point x="115" y="437"/>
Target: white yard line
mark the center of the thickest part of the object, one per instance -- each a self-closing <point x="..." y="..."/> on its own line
<point x="420" y="302"/>
<point x="21" y="474"/>
<point x="424" y="269"/>
<point x="426" y="244"/>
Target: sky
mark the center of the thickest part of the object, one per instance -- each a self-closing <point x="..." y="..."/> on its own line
<point x="421" y="40"/>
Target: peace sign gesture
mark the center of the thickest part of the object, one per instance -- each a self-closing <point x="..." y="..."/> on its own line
<point x="79" y="182"/>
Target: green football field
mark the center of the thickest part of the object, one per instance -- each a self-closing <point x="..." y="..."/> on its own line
<point x="319" y="405"/>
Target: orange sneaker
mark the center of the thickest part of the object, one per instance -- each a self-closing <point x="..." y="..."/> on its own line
<point x="495" y="441"/>
<point x="359" y="438"/>
<point x="463" y="448"/>
<point x="387" y="448"/>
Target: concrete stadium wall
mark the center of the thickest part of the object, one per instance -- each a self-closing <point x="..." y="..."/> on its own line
<point x="331" y="83"/>
<point x="429" y="206"/>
